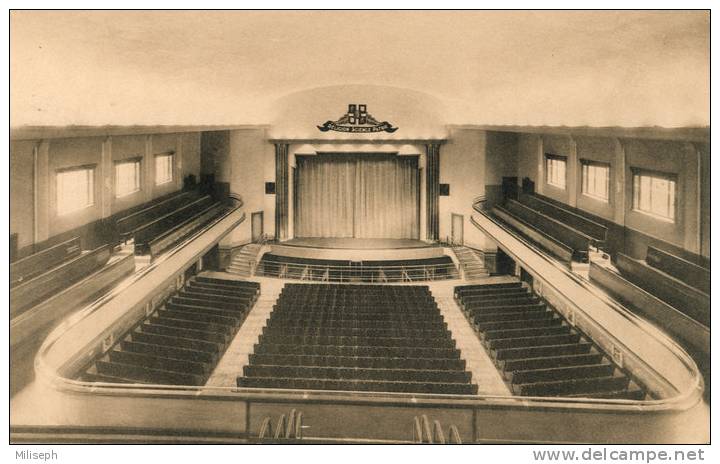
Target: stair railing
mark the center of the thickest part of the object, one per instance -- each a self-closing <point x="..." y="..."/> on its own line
<point x="381" y="276"/>
<point x="432" y="433"/>
<point x="288" y="427"/>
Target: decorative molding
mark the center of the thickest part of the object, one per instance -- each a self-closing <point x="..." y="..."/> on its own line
<point x="357" y="120"/>
<point x="281" y="191"/>
<point x="432" y="189"/>
<point x="373" y="141"/>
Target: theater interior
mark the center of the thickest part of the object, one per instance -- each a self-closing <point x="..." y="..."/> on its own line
<point x="359" y="227"/>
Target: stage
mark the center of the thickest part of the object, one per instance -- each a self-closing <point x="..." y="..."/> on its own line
<point x="357" y="249"/>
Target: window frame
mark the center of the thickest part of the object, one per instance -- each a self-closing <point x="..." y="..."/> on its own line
<point x="167" y="154"/>
<point x="136" y="160"/>
<point x="92" y="169"/>
<point x="636" y="200"/>
<point x="597" y="164"/>
<point x="552" y="157"/>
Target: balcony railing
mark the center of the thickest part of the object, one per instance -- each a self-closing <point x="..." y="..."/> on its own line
<point x="357" y="273"/>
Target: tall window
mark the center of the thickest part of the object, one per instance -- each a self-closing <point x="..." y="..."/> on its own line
<point x="555" y="170"/>
<point x="654" y="194"/>
<point x="596" y="180"/>
<point x="127" y="177"/>
<point x="75" y="189"/>
<point x="163" y="168"/>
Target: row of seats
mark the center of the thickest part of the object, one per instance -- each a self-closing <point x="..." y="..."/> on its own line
<point x="181" y="342"/>
<point x="163" y="230"/>
<point x="357" y="338"/>
<point x="536" y="350"/>
<point x="41" y="275"/>
<point x="598" y="232"/>
<point x="674" y="291"/>
<point x="438" y="268"/>
<point x="134" y="219"/>
<point x="547" y="231"/>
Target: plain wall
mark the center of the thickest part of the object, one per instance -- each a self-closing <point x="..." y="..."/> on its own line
<point x="101" y="153"/>
<point x="690" y="162"/>
<point x="501" y="160"/>
<point x="249" y="155"/>
<point x="462" y="165"/>
<point x="21" y="191"/>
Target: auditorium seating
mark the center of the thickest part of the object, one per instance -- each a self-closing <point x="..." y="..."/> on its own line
<point x="438" y="268"/>
<point x="598" y="232"/>
<point x="357" y="338"/>
<point x="35" y="264"/>
<point x="133" y="219"/>
<point x="164" y="230"/>
<point x="560" y="239"/>
<point x="678" y="294"/>
<point x="536" y="350"/>
<point x="42" y="275"/>
<point x="690" y="273"/>
<point x="181" y="342"/>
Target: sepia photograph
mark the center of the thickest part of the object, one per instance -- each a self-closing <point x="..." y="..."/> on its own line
<point x="393" y="227"/>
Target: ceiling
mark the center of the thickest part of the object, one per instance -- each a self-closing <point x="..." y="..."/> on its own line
<point x="486" y="67"/>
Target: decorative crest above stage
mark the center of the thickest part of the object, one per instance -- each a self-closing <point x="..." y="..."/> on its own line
<point x="357" y="120"/>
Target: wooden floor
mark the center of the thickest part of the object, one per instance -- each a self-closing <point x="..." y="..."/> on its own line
<point x="357" y="243"/>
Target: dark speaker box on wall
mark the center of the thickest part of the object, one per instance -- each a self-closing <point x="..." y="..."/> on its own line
<point x="444" y="190"/>
<point x="270" y="188"/>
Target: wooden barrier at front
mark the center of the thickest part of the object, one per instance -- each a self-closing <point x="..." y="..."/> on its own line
<point x="563" y="252"/>
<point x="597" y="231"/>
<point x="680" y="325"/>
<point x="690" y="273"/>
<point x="676" y="293"/>
<point x="31" y="266"/>
<point x="32" y="292"/>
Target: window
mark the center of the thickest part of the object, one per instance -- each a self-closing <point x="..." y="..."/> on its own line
<point x="75" y="189"/>
<point x="163" y="168"/>
<point x="555" y="170"/>
<point x="596" y="180"/>
<point x="127" y="177"/>
<point x="654" y="194"/>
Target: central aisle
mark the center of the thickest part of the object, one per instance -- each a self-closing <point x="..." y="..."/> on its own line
<point x="237" y="354"/>
<point x="484" y="373"/>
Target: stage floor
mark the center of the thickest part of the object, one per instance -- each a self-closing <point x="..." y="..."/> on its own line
<point x="357" y="243"/>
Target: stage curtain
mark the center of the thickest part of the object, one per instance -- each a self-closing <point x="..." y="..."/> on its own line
<point x="386" y="197"/>
<point x="361" y="196"/>
<point x="325" y="197"/>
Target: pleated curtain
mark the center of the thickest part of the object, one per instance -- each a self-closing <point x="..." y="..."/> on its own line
<point x="361" y="196"/>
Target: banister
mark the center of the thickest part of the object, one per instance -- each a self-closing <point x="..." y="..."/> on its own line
<point x="417" y="430"/>
<point x="265" y="428"/>
<point x="454" y="438"/>
<point x="438" y="435"/>
<point x="281" y="427"/>
<point x="427" y="430"/>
